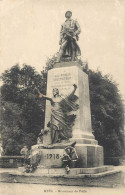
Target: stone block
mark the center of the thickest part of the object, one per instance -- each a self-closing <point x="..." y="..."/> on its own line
<point x="85" y="141"/>
<point x="51" y="157"/>
<point x="99" y="156"/>
<point x="89" y="155"/>
<point x="82" y="155"/>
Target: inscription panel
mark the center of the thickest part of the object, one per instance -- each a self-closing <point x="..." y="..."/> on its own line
<point x="52" y="157"/>
<point x="59" y="80"/>
<point x="63" y="79"/>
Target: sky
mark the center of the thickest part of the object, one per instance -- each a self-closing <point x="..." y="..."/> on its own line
<point x="29" y="33"/>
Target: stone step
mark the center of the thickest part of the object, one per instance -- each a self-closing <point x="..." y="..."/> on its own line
<point x="85" y="141"/>
<point x="104" y="179"/>
<point x="95" y="170"/>
<point x="97" y="175"/>
<point x="73" y="171"/>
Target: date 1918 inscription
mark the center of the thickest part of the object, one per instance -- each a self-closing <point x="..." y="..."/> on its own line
<point x="53" y="156"/>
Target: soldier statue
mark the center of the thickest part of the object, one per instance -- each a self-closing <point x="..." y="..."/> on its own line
<point x="69" y="35"/>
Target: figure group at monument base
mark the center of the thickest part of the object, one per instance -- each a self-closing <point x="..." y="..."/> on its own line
<point x="58" y="124"/>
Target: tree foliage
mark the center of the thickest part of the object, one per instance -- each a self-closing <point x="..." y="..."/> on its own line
<point x="22" y="112"/>
<point x="107" y="114"/>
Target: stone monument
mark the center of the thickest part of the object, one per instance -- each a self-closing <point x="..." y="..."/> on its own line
<point x="68" y="116"/>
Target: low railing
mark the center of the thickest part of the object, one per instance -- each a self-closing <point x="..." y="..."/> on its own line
<point x="11" y="161"/>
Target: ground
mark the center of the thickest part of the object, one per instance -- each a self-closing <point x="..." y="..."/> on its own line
<point x="40" y="189"/>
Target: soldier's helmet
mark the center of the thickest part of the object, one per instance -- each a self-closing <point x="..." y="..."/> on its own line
<point x="68" y="14"/>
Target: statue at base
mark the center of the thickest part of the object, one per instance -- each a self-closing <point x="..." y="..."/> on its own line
<point x="59" y="106"/>
<point x="69" y="35"/>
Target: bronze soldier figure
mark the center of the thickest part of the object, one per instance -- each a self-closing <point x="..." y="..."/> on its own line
<point x="70" y="30"/>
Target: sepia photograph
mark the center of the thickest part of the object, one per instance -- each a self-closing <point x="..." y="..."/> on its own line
<point x="62" y="97"/>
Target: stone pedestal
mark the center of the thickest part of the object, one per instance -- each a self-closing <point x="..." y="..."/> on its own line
<point x="89" y="155"/>
<point x="63" y="76"/>
<point x="51" y="157"/>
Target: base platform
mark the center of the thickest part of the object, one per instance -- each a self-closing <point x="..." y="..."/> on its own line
<point x="104" y="176"/>
<point x="73" y="173"/>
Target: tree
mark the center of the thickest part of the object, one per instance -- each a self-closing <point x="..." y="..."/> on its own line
<point x="22" y="112"/>
<point x="107" y="115"/>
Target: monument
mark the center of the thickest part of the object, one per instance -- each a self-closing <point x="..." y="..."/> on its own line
<point x="67" y="145"/>
<point x="68" y="137"/>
